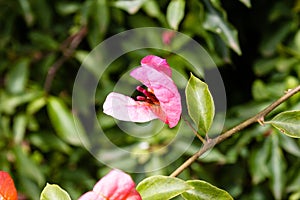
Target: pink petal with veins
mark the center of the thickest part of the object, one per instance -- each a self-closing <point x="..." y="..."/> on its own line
<point x="116" y="185"/>
<point x="157" y="63"/>
<point x="125" y="108"/>
<point x="165" y="91"/>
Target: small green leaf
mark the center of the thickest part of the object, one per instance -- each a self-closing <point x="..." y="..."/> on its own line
<point x="204" y="191"/>
<point x="52" y="191"/>
<point x="17" y="77"/>
<point x="19" y="127"/>
<point x="130" y="6"/>
<point x="161" y="187"/>
<point x="65" y="124"/>
<point x="288" y="123"/>
<point x="246" y="3"/>
<point x="175" y="13"/>
<point x="200" y="103"/>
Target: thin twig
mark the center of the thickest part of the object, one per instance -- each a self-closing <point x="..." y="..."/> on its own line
<point x="195" y="131"/>
<point x="68" y="47"/>
<point x="257" y="118"/>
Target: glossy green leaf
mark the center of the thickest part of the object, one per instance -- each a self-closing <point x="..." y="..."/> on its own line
<point x="52" y="191"/>
<point x="200" y="103"/>
<point x="17" y="77"/>
<point x="215" y="21"/>
<point x="204" y="191"/>
<point x="175" y="13"/>
<point x="161" y="187"/>
<point x="288" y="123"/>
<point x="130" y="6"/>
<point x="64" y="122"/>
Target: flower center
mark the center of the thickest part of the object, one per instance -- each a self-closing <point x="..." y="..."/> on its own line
<point x="148" y="95"/>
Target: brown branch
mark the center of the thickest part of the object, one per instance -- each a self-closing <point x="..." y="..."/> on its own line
<point x="68" y="47"/>
<point x="257" y="118"/>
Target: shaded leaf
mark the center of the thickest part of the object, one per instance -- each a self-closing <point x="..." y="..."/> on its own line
<point x="200" y="103"/>
<point x="216" y="22"/>
<point x="277" y="167"/>
<point x="161" y="187"/>
<point x="27" y="12"/>
<point x="52" y="191"/>
<point x="98" y="22"/>
<point x="175" y="13"/>
<point x="204" y="191"/>
<point x="27" y="167"/>
<point x="288" y="123"/>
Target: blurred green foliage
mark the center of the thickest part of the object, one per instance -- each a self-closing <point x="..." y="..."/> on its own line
<point x="256" y="48"/>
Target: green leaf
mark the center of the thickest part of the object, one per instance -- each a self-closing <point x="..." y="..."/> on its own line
<point x="19" y="127"/>
<point x="52" y="191"/>
<point x="277" y="168"/>
<point x="129" y="6"/>
<point x="161" y="187"/>
<point x="65" y="124"/>
<point x="175" y="13"/>
<point x="200" y="103"/>
<point x="246" y="3"/>
<point x="288" y="123"/>
<point x="204" y="191"/>
<point x="215" y="21"/>
<point x="98" y="21"/>
<point x="27" y="167"/>
<point x="17" y="77"/>
<point x="27" y="12"/>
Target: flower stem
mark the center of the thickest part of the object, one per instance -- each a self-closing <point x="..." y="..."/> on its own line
<point x="257" y="118"/>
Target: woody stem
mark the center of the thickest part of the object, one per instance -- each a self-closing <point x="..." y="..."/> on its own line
<point x="257" y="118"/>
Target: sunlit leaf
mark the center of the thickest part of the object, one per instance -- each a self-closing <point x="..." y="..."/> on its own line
<point x="161" y="187"/>
<point x="288" y="123"/>
<point x="175" y="13"/>
<point x="52" y="191"/>
<point x="200" y="103"/>
<point x="204" y="191"/>
<point x="130" y="6"/>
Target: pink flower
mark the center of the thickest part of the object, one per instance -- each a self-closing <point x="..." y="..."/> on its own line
<point x="160" y="99"/>
<point x="116" y="185"/>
